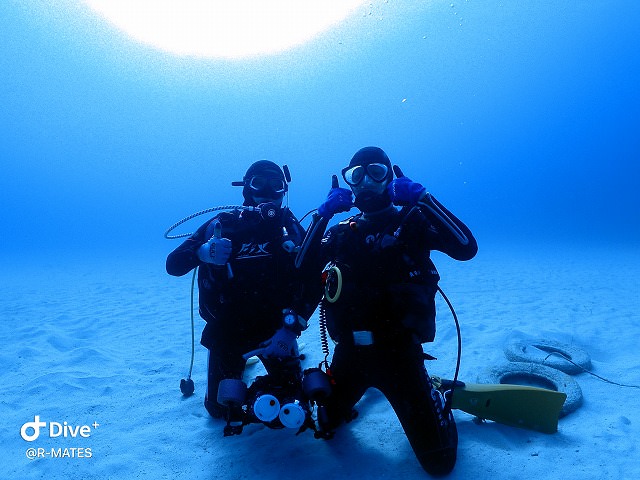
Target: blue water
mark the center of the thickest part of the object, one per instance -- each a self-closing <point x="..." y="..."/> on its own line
<point x="522" y="117"/>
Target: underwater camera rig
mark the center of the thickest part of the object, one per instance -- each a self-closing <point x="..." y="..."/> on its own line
<point x="283" y="398"/>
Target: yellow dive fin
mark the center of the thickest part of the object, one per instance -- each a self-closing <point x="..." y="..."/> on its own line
<point x="521" y="406"/>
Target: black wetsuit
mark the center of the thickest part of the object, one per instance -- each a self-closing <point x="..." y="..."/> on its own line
<point x="242" y="302"/>
<point x="384" y="311"/>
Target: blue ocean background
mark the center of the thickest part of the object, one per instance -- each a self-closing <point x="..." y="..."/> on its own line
<point x="522" y="117"/>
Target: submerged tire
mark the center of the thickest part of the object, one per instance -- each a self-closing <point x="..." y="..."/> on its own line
<point x="549" y="353"/>
<point x="536" y="375"/>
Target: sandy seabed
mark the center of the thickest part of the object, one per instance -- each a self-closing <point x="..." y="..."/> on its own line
<point x="105" y="344"/>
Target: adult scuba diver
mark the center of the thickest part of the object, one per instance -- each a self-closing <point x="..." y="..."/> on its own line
<point x="379" y="299"/>
<point x="251" y="295"/>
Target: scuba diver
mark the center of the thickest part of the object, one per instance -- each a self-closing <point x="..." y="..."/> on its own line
<point x="251" y="295"/>
<point x="379" y="303"/>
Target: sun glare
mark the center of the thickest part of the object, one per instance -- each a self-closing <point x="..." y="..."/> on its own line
<point x="223" y="28"/>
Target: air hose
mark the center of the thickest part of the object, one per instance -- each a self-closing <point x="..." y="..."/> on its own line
<point x="186" y="385"/>
<point x="449" y="398"/>
<point x="332" y="277"/>
<point x="324" y="339"/>
<point x="202" y="212"/>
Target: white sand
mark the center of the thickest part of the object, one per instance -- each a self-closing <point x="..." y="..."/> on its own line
<point x="108" y="343"/>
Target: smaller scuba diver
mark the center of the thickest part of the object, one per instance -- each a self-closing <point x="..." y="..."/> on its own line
<point x="379" y="302"/>
<point x="251" y="295"/>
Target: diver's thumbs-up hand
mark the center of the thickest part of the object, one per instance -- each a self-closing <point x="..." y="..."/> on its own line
<point x="397" y="171"/>
<point x="217" y="250"/>
<point x="334" y="181"/>
<point x="404" y="191"/>
<point x="338" y="200"/>
<point x="217" y="229"/>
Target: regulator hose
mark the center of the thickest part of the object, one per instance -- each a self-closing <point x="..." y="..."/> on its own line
<point x="324" y="340"/>
<point x="449" y="398"/>
<point x="197" y="214"/>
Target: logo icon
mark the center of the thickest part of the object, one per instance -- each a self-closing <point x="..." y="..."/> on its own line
<point x="30" y="431"/>
<point x="34" y="426"/>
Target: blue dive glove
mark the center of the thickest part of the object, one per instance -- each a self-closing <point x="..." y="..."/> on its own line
<point x="403" y="191"/>
<point x="338" y="200"/>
